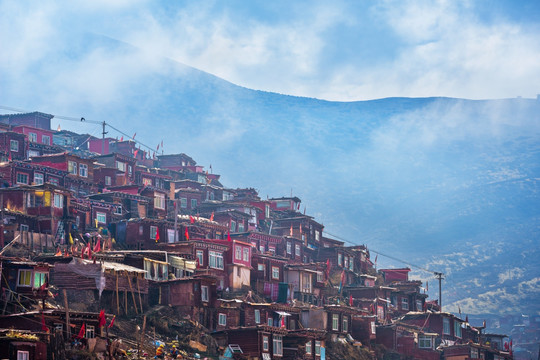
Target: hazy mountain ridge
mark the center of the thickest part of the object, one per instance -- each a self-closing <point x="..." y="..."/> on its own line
<point x="412" y="177"/>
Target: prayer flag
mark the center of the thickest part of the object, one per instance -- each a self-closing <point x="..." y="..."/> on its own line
<point x="82" y="332"/>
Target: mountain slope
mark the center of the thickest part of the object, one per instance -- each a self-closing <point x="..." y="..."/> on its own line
<point x="451" y="184"/>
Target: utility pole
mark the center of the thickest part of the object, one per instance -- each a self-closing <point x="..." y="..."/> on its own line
<point x="439" y="276"/>
<point x="176" y="220"/>
<point x="103" y="138"/>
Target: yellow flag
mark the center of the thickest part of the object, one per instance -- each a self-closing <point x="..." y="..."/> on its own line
<point x="70" y="239"/>
<point x="96" y="222"/>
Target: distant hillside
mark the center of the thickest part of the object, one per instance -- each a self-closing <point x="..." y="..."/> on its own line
<point x="450" y="184"/>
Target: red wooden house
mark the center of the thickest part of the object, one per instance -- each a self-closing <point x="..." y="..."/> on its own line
<point x="157" y="208"/>
<point x="268" y="273"/>
<point x="409" y="341"/>
<point x="265" y="243"/>
<point x="36" y="119"/>
<point x="126" y="165"/>
<point x="17" y="173"/>
<point x="13" y="146"/>
<point x="448" y="326"/>
<point x="306" y="282"/>
<point x="35" y="135"/>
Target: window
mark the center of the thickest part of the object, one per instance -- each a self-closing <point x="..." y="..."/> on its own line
<point x="59" y="326"/>
<point x="108" y="180"/>
<point x="121" y="166"/>
<point x="24" y="227"/>
<point x="339" y="259"/>
<point x="345" y="324"/>
<point x="297" y="250"/>
<point x="200" y="255"/>
<point x="419" y="306"/>
<point x="346" y="262"/>
<point x="351" y="264"/>
<point x="159" y="201"/>
<point x="335" y="322"/>
<point x="404" y="304"/>
<point x="23" y="355"/>
<point x="277" y="341"/>
<point x="193" y="203"/>
<point x="215" y="260"/>
<point x="14" y="145"/>
<point x="317" y="347"/>
<point x="446" y="326"/>
<point x="320" y="277"/>
<point x="222" y="319"/>
<point x="46" y="139"/>
<point x="424" y="342"/>
<point x="308" y="348"/>
<point x="265" y="343"/>
<point x="261" y="249"/>
<point x="25" y="278"/>
<point x="32" y="137"/>
<point x="246" y="254"/>
<point x="183" y="203"/>
<point x="53" y="180"/>
<point x="275" y="272"/>
<point x="204" y="293"/>
<point x="32" y="153"/>
<point x="38" y="179"/>
<point x="241" y="227"/>
<point x="260" y="267"/>
<point x="101" y="218"/>
<point x="289" y="248"/>
<point x="83" y="170"/>
<point x="130" y="170"/>
<point x="147" y="182"/>
<point x="257" y="316"/>
<point x="270" y="322"/>
<point x="233" y="225"/>
<point x="457" y="329"/>
<point x="238" y="253"/>
<point x="72" y="167"/>
<point x="22" y="178"/>
<point x="58" y="201"/>
<point x="141" y="230"/>
<point x="153" y="232"/>
<point x="474" y="353"/>
<point x="317" y="236"/>
<point x="90" y="332"/>
<point x="40" y="278"/>
<point x="373" y="328"/>
<point x="118" y="210"/>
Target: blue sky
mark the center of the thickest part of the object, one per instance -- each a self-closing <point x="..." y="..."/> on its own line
<point x="339" y="50"/>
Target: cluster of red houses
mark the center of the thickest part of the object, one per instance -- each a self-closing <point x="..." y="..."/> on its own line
<point x="108" y="225"/>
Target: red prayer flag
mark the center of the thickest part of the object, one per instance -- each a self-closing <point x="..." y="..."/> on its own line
<point x="350" y="300"/>
<point x="283" y="321"/>
<point x="43" y="326"/>
<point x="112" y="322"/>
<point x="157" y="234"/>
<point x="82" y="332"/>
<point x="291" y="231"/>
<point x="97" y="248"/>
<point x="122" y="138"/>
<point x="327" y="268"/>
<point x="212" y="216"/>
<point x="135" y="153"/>
<point x="228" y="236"/>
<point x="102" y="319"/>
<point x="187" y="234"/>
<point x="89" y="250"/>
<point x="58" y="252"/>
<point x="191" y="219"/>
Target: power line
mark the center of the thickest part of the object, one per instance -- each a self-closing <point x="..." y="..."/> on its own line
<point x="82" y="120"/>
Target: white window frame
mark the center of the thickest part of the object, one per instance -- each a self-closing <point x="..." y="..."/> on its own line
<point x="246" y="254"/>
<point x="457" y="329"/>
<point x="20" y="180"/>
<point x="335" y="322"/>
<point x="193" y="203"/>
<point x="72" y="167"/>
<point x="340" y="259"/>
<point x="90" y="332"/>
<point x="277" y="345"/>
<point x="58" y="201"/>
<point x="153" y="232"/>
<point x="83" y="170"/>
<point x="32" y="137"/>
<point x="23" y="355"/>
<point x="101" y="217"/>
<point x="237" y="252"/>
<point x="14" y="145"/>
<point x="233" y="226"/>
<point x="39" y="178"/>
<point x="345" y="324"/>
<point x="118" y="210"/>
<point x="46" y="139"/>
<point x="183" y="203"/>
<point x="30" y="278"/>
<point x="317" y="347"/>
<point x="289" y="248"/>
<point x="275" y="272"/>
<point x="266" y="343"/>
<point x="215" y="260"/>
<point x="204" y="293"/>
<point x="108" y="180"/>
<point x="446" y="326"/>
<point x="222" y="319"/>
<point x="159" y="201"/>
<point x="270" y="321"/>
<point x="200" y="256"/>
<point x="41" y="277"/>
<point x="121" y="166"/>
<point x="257" y="316"/>
<point x="297" y="250"/>
<point x="308" y="348"/>
<point x="425" y="342"/>
<point x="320" y="276"/>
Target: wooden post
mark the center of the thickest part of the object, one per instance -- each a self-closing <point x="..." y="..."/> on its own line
<point x="142" y="333"/>
<point x="139" y="291"/>
<point x="117" y="297"/>
<point x="68" y="326"/>
<point x="125" y="301"/>
<point x="132" y="294"/>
